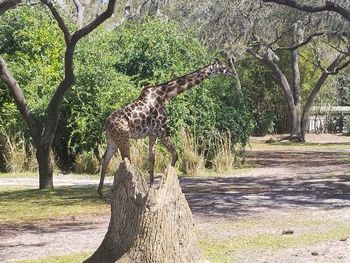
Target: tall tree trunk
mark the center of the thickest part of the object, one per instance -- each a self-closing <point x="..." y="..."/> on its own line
<point x="295" y="123"/>
<point x="296" y="84"/>
<point x="289" y="95"/>
<point x="148" y="224"/>
<point x="43" y="157"/>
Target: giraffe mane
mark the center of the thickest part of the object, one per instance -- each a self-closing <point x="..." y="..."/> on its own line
<point x="167" y="82"/>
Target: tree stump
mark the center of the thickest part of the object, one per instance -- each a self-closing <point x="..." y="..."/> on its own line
<point x="148" y="224"/>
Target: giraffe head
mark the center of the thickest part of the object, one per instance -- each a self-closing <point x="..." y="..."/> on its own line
<point x="220" y="68"/>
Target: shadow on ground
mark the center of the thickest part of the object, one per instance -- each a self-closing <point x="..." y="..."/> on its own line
<point x="297" y="158"/>
<point x="243" y="196"/>
<point x="307" y="180"/>
<point x="60" y="196"/>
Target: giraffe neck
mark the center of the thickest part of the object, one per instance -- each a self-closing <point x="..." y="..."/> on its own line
<point x="172" y="88"/>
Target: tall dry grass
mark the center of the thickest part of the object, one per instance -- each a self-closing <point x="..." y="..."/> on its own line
<point x="192" y="159"/>
<point x="139" y="156"/>
<point x="87" y="162"/>
<point x="224" y="156"/>
<point x="19" y="156"/>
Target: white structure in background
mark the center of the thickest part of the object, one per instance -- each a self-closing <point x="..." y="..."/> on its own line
<point x="321" y="116"/>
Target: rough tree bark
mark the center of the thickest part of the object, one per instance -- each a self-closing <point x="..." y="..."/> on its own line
<point x="298" y="36"/>
<point x="148" y="224"/>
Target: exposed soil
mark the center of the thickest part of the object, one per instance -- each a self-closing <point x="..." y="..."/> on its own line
<point x="306" y="191"/>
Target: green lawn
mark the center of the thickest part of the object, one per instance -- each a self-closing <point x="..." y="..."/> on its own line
<point x="225" y="250"/>
<point x="21" y="174"/>
<point x="26" y="205"/>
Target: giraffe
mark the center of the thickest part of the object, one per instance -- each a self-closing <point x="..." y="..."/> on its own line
<point x="146" y="116"/>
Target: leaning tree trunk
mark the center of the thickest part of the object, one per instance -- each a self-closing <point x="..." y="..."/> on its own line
<point x="148" y="224"/>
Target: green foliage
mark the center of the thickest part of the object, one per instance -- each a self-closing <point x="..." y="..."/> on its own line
<point x="263" y="95"/>
<point x="153" y="52"/>
<point x="32" y="46"/>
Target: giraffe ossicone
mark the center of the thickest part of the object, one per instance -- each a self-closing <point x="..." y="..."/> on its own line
<point x="146" y="117"/>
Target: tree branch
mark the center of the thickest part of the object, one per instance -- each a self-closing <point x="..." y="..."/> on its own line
<point x="281" y="77"/>
<point x="127" y="9"/>
<point x="140" y="8"/>
<point x="59" y="20"/>
<point x="328" y="6"/>
<point x="332" y="68"/>
<point x="80" y="12"/>
<point x="68" y="81"/>
<point x="338" y="68"/>
<point x="8" y="4"/>
<point x="254" y="54"/>
<point x="95" y="23"/>
<point x="15" y="90"/>
<point x="311" y="37"/>
<point x="20" y="101"/>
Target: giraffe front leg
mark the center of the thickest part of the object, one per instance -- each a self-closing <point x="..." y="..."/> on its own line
<point x="111" y="149"/>
<point x="151" y="157"/>
<point x="170" y="147"/>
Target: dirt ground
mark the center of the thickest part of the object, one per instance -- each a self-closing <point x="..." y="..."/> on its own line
<point x="302" y="190"/>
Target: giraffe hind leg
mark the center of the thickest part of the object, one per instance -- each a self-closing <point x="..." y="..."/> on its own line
<point x="151" y="158"/>
<point x="170" y="147"/>
<point x="111" y="149"/>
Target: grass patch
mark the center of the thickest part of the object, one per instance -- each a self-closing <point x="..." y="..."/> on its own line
<point x="73" y="258"/>
<point x="295" y="146"/>
<point x="226" y="250"/>
<point x="20" y="174"/>
<point x="25" y="205"/>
